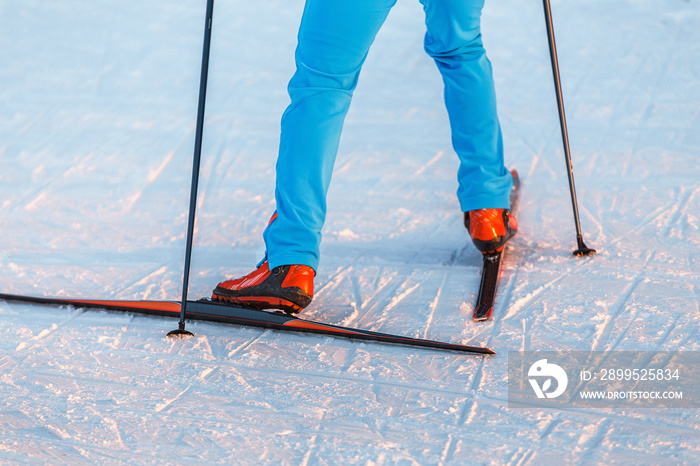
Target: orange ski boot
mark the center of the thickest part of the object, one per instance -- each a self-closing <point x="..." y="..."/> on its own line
<point x="490" y="229"/>
<point x="287" y="287"/>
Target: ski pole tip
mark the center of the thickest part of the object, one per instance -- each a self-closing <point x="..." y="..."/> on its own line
<point x="180" y="333"/>
<point x="583" y="250"/>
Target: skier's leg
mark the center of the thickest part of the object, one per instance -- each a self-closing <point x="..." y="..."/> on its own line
<point x="334" y="39"/>
<point x="453" y="40"/>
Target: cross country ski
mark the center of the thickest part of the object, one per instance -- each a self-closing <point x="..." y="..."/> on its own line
<point x="210" y="311"/>
<point x="491" y="268"/>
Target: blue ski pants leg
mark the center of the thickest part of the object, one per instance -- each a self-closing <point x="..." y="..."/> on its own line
<point x="453" y="40"/>
<point x="333" y="42"/>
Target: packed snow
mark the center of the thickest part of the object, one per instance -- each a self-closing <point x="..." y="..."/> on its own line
<point x="97" y="113"/>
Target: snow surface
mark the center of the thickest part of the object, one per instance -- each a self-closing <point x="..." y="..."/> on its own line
<point x="97" y="109"/>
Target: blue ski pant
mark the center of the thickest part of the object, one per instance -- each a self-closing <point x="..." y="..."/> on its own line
<point x="333" y="42"/>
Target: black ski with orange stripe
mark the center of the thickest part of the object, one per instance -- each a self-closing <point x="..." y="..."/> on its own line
<point x="492" y="265"/>
<point x="217" y="312"/>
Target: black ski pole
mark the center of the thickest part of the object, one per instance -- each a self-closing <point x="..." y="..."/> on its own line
<point x="582" y="250"/>
<point x="195" y="170"/>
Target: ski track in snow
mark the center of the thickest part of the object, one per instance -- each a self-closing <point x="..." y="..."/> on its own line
<point x="97" y="132"/>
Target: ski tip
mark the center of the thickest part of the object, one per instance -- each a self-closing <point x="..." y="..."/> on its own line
<point x="482" y="312"/>
<point x="480" y="350"/>
<point x="516" y="177"/>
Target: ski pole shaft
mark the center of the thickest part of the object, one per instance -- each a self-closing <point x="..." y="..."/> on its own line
<point x="195" y="167"/>
<point x="582" y="250"/>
